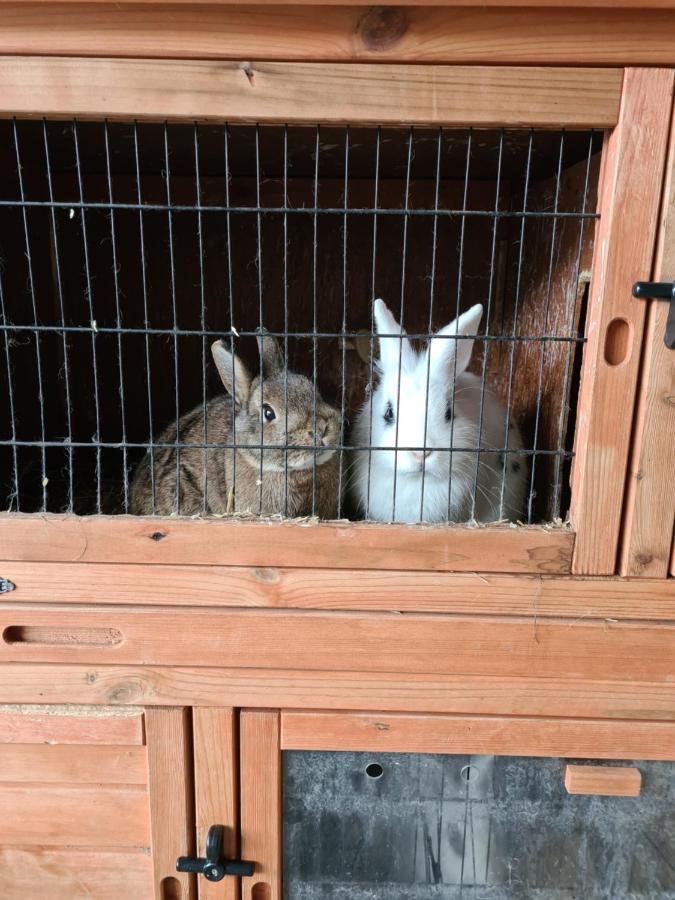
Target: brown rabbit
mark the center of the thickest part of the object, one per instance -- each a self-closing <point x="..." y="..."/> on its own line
<point x="276" y="408"/>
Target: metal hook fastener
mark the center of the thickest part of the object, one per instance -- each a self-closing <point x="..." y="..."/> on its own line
<point x="213" y="867"/>
<point x="660" y="290"/>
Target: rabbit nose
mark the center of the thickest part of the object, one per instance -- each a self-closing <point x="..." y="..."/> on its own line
<point x="419" y="455"/>
<point x="321" y="432"/>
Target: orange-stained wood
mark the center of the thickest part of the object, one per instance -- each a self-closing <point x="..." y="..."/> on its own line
<point x="63" y="816"/>
<point x="70" y="725"/>
<point x="463" y="694"/>
<point x="650" y="500"/>
<point x="171" y="802"/>
<point x="118" y="539"/>
<point x="260" y="768"/>
<point x="363" y="642"/>
<point x="605" y="781"/>
<point x="28" y="872"/>
<point x="289" y="92"/>
<point x="73" y="764"/>
<point x="340" y="589"/>
<point x="340" y="33"/>
<point x="631" y="180"/>
<point x="492" y="735"/>
<point x="216" y="757"/>
<point x="546" y="4"/>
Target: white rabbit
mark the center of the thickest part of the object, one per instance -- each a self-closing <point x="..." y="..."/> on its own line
<point x="420" y="479"/>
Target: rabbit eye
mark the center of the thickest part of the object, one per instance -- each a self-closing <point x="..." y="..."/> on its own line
<point x="389" y="414"/>
<point x="448" y="413"/>
<point x="268" y="412"/>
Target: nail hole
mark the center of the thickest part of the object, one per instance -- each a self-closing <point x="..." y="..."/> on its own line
<point x="469" y="773"/>
<point x="74" y="637"/>
<point x="374" y="770"/>
<point x="170" y="889"/>
<point x="261" y="891"/>
<point x="617" y="342"/>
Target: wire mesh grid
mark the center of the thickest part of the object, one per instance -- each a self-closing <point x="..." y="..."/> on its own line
<point x="188" y="324"/>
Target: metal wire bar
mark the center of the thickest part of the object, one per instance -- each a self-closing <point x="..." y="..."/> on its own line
<point x="174" y="310"/>
<point x="258" y="260"/>
<point x="286" y="319"/>
<point x="228" y="234"/>
<point x="202" y="318"/>
<point x="315" y="224"/>
<point x="373" y="295"/>
<point x="15" y="498"/>
<point x="344" y="324"/>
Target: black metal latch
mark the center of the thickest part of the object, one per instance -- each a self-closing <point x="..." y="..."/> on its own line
<point x="660" y="290"/>
<point x="214" y="867"/>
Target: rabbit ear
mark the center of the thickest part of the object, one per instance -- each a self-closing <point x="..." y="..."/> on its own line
<point x="233" y="373"/>
<point x="271" y="356"/>
<point x="444" y="351"/>
<point x="391" y="348"/>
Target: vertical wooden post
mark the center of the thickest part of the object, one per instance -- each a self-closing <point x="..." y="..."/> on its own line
<point x="216" y="790"/>
<point x="171" y="805"/>
<point x="650" y="501"/>
<point x="261" y="812"/>
<point x="630" y="191"/>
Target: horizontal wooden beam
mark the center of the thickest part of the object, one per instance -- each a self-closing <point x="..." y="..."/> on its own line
<point x="340" y="589"/>
<point x="283" y="92"/>
<point x="350" y="641"/>
<point x="293" y="689"/>
<point x="128" y="539"/>
<point x="604" y="781"/>
<point x="422" y="34"/>
<point x="492" y="735"/>
<point x="533" y="4"/>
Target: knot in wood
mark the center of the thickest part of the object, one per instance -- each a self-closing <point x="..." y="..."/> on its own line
<point x="382" y="27"/>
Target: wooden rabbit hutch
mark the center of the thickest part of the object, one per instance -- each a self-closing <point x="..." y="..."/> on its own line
<point x="179" y="175"/>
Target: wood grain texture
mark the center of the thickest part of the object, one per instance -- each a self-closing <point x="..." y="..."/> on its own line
<point x="492" y="735"/>
<point x="545" y="4"/>
<point x="73" y="764"/>
<point x="309" y="92"/>
<point x="261" y="815"/>
<point x="631" y="179"/>
<point x="364" y="642"/>
<point x="65" y="725"/>
<point x="603" y="780"/>
<point x="650" y="498"/>
<point x="341" y="589"/>
<point x="62" y="816"/>
<point x="365" y="691"/>
<point x="343" y="546"/>
<point x="216" y="757"/>
<point x="74" y="874"/>
<point x="171" y="801"/>
<point x="340" y="33"/>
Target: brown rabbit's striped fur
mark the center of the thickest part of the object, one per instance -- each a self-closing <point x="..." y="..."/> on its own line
<point x="233" y="479"/>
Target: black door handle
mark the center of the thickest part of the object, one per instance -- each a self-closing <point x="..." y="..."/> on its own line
<point x="214" y="867"/>
<point x="660" y="290"/>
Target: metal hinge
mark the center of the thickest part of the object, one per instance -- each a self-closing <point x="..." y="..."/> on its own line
<point x="660" y="290"/>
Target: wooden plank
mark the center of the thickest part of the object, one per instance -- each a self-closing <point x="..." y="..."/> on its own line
<point x="171" y="802"/>
<point x="650" y="499"/>
<point x="602" y="780"/>
<point x="94" y="816"/>
<point x="491" y="735"/>
<point x="581" y="36"/>
<point x="309" y="92"/>
<point x="631" y="179"/>
<point x="70" y="725"/>
<point x="74" y="874"/>
<point x="365" y="642"/>
<point x="216" y="754"/>
<point x="341" y="589"/>
<point x="546" y="4"/>
<point x="388" y="691"/>
<point x="337" y="545"/>
<point x="260" y="760"/>
<point x="73" y="764"/>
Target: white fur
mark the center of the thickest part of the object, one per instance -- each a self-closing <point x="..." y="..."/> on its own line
<point x="394" y="485"/>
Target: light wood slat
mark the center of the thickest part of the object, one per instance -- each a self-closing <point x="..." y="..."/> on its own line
<point x="73" y="764"/>
<point x="603" y="780"/>
<point x="72" y="874"/>
<point x="419" y="34"/>
<point x="260" y="761"/>
<point x="70" y="725"/>
<point x="216" y="754"/>
<point x="498" y="735"/>
<point x="82" y="816"/>
<point x="630" y="183"/>
<point x="171" y="801"/>
<point x="309" y="92"/>
<point x="388" y="691"/>
<point x="343" y="546"/>
<point x="650" y="501"/>
<point x="344" y="589"/>
<point x="384" y="642"/>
